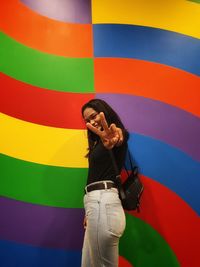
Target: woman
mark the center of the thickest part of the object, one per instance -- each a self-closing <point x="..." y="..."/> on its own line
<point x="104" y="216"/>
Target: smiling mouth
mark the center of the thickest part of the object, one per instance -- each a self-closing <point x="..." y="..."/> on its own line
<point x="97" y="126"/>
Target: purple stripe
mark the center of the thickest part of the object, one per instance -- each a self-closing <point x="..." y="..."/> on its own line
<point x="74" y="11"/>
<point x="41" y="225"/>
<point x="161" y="121"/>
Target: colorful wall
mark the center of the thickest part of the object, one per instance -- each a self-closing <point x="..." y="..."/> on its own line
<point x="142" y="57"/>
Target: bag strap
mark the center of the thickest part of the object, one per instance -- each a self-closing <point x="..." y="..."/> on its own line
<point x="117" y="175"/>
<point x="134" y="168"/>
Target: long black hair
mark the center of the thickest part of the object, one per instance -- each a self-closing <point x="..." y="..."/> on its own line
<point x="111" y="116"/>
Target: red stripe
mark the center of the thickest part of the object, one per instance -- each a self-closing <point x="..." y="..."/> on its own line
<point x="124" y="262"/>
<point x="44" y="34"/>
<point x="150" y="80"/>
<point x="41" y="106"/>
<point x="170" y="216"/>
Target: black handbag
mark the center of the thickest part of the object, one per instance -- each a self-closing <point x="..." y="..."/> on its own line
<point x="130" y="191"/>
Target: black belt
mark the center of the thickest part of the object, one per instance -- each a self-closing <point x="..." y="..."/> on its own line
<point x="99" y="186"/>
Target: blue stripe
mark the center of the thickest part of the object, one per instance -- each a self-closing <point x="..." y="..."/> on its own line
<point x="169" y="166"/>
<point x="159" y="120"/>
<point x="146" y="43"/>
<point x="13" y="254"/>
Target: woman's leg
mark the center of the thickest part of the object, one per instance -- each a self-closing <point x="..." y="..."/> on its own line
<point x="105" y="225"/>
<point x="111" y="227"/>
<point x="86" y="261"/>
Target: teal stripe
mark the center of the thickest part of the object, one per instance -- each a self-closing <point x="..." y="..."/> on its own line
<point x="41" y="184"/>
<point x="143" y="246"/>
<point x="44" y="70"/>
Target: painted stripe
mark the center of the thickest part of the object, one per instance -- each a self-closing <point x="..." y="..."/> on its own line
<point x="50" y="146"/>
<point x="156" y="253"/>
<point x="124" y="262"/>
<point x="32" y="222"/>
<point x="158" y="120"/>
<point x="46" y="145"/>
<point x="46" y="35"/>
<point x="43" y="70"/>
<point x="168" y="166"/>
<point x="12" y="253"/>
<point x="130" y="76"/>
<point x="59" y="184"/>
<point x="196" y="1"/>
<point x="153" y="201"/>
<point x="76" y="11"/>
<point x="46" y="185"/>
<point x="169" y="48"/>
<point x="28" y="256"/>
<point x="150" y="13"/>
<point x="34" y="228"/>
<point x="57" y="109"/>
<point x="42" y="144"/>
<point x="164" y="205"/>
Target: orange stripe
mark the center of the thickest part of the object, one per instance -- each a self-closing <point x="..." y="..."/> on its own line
<point x="151" y="80"/>
<point x="44" y="34"/>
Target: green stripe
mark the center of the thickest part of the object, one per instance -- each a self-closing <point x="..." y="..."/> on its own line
<point x="142" y="246"/>
<point x="41" y="184"/>
<point x="196" y="1"/>
<point x="44" y="70"/>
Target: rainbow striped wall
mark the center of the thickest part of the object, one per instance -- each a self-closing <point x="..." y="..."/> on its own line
<point x="142" y="57"/>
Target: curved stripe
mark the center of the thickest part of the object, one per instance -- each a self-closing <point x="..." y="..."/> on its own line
<point x="12" y="253"/>
<point x="46" y="185"/>
<point x="43" y="70"/>
<point x="168" y="166"/>
<point x="169" y="48"/>
<point x="58" y="109"/>
<point x="164" y="205"/>
<point x="51" y="146"/>
<point x="196" y="1"/>
<point x="34" y="221"/>
<point x="142" y="78"/>
<point x="42" y="144"/>
<point x="124" y="263"/>
<point x="76" y="11"/>
<point x="154" y="198"/>
<point x="62" y="191"/>
<point x="46" y="35"/>
<point x="61" y="147"/>
<point x="149" y="248"/>
<point x="64" y="226"/>
<point x="158" y="120"/>
<point x="150" y="13"/>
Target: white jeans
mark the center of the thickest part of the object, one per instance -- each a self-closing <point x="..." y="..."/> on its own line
<point x="105" y="225"/>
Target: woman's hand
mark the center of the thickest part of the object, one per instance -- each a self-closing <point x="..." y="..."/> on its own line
<point x="110" y="136"/>
<point x="84" y="222"/>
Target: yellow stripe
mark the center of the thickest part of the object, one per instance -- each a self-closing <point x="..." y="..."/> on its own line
<point x="42" y="144"/>
<point x="175" y="15"/>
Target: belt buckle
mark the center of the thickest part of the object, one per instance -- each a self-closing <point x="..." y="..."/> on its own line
<point x="105" y="185"/>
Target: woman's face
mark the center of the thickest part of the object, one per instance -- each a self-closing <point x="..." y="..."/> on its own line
<point x="92" y="116"/>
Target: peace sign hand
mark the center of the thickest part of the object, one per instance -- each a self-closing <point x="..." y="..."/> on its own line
<point x="109" y="135"/>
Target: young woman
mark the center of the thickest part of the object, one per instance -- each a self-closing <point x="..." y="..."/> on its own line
<point x="104" y="216"/>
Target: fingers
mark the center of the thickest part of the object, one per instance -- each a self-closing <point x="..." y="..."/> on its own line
<point x="104" y="123"/>
<point x="118" y="135"/>
<point x="93" y="129"/>
<point x="110" y="136"/>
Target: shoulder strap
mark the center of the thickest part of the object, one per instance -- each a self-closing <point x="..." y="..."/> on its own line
<point x="117" y="175"/>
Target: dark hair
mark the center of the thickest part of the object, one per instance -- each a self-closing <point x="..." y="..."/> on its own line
<point x="111" y="116"/>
